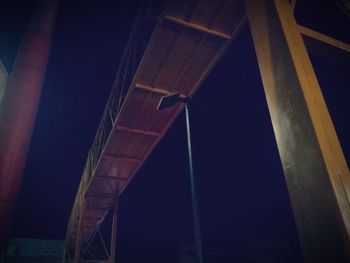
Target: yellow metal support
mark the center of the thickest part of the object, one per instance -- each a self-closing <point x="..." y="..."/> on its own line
<point x="156" y="90"/>
<point x="324" y="38"/>
<point x="197" y="27"/>
<point x="315" y="169"/>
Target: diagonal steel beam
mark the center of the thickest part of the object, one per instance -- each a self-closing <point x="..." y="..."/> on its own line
<point x="324" y="38"/>
<point x="198" y="27"/>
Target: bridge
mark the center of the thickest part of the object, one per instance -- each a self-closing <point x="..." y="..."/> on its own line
<point x="187" y="40"/>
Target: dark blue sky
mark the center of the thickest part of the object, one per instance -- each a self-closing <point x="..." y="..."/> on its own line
<point x="241" y="187"/>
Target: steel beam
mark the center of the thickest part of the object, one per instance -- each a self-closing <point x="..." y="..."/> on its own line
<point x="138" y="131"/>
<point x="114" y="231"/>
<point x="100" y="195"/>
<point x="105" y="250"/>
<point x="315" y="169"/>
<point x="324" y="38"/>
<point x="122" y="158"/>
<point x="77" y="252"/>
<point x="156" y="90"/>
<point x="198" y="27"/>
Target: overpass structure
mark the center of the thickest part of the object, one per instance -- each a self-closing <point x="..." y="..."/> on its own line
<point x="187" y="41"/>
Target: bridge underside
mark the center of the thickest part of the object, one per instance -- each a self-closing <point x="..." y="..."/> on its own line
<point x="186" y="43"/>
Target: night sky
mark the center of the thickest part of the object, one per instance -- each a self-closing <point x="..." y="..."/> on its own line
<point x="241" y="187"/>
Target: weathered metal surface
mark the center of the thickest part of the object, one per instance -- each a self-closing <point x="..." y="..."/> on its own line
<point x="177" y="59"/>
<point x="315" y="169"/>
<point x="19" y="106"/>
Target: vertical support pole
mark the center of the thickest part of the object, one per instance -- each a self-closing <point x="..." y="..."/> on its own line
<point x="77" y="253"/>
<point x="315" y="169"/>
<point x="196" y="224"/>
<point x="18" y="109"/>
<point x="67" y="257"/>
<point x="114" y="231"/>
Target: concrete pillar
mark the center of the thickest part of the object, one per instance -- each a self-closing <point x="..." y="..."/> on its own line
<point x="18" y="109"/>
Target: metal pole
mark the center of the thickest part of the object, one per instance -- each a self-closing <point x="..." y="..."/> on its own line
<point x="197" y="232"/>
<point x="114" y="232"/>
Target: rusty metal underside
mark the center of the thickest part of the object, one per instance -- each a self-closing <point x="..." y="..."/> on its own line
<point x="185" y="45"/>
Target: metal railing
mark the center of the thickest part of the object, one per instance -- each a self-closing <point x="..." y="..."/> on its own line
<point x="131" y="57"/>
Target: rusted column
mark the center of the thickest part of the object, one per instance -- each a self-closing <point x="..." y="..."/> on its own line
<point x="315" y="169"/>
<point x="19" y="106"/>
